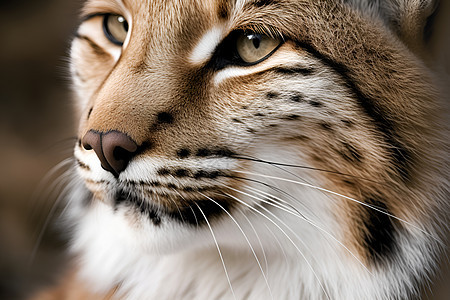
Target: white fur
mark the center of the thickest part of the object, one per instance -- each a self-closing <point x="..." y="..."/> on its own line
<point x="206" y="46"/>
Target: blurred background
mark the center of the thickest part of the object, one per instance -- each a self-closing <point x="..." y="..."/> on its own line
<point x="37" y="130"/>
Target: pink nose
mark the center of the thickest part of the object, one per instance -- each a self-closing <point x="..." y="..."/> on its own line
<point x="115" y="149"/>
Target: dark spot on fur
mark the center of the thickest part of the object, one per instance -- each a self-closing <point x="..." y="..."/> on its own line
<point x="83" y="165"/>
<point x="291" y="117"/>
<point x="224" y="152"/>
<point x="251" y="130"/>
<point x="172" y="186"/>
<point x="165" y="118"/>
<point x="236" y="120"/>
<point x="163" y="172"/>
<point x="181" y="173"/>
<point x="244" y="107"/>
<point x="315" y="103"/>
<point x="272" y="95"/>
<point x="296" y="98"/>
<point x="183" y="153"/>
<point x="206" y="174"/>
<point x="273" y="125"/>
<point x="188" y="189"/>
<point x="259" y="115"/>
<point x="203" y="152"/>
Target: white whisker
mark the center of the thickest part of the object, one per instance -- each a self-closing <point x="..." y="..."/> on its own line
<point x="342" y="196"/>
<point x="259" y="241"/>
<point x="287" y="236"/>
<point x="314" y="225"/>
<point x="218" y="250"/>
<point x="246" y="238"/>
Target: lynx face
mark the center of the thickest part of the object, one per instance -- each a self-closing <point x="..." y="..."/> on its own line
<point x="269" y="128"/>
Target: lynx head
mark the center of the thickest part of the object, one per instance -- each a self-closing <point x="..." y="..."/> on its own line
<point x="309" y="128"/>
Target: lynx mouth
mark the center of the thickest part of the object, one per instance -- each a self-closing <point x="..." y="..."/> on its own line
<point x="195" y="212"/>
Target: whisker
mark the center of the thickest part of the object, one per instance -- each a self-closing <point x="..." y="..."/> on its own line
<point x="287" y="236"/>
<point x="49" y="216"/>
<point x="314" y="225"/>
<point x="259" y="241"/>
<point x="343" y="196"/>
<point x="246" y="238"/>
<point x="275" y="189"/>
<point x="218" y="250"/>
<point x="255" y="159"/>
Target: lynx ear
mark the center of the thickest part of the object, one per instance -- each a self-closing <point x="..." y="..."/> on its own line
<point x="408" y="19"/>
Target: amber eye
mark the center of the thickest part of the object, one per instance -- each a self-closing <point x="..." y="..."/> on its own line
<point x="254" y="47"/>
<point x="115" y="28"/>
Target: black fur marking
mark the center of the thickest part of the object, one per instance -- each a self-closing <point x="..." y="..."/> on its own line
<point x="183" y="153"/>
<point x="83" y="166"/>
<point x="293" y="70"/>
<point x="236" y="120"/>
<point x="163" y="172"/>
<point x="224" y="152"/>
<point x="181" y="173"/>
<point x="296" y="98"/>
<point x="315" y="103"/>
<point x="401" y="157"/>
<point x="272" y="95"/>
<point x="261" y="3"/>
<point x="291" y="117"/>
<point x="193" y="216"/>
<point x="89" y="113"/>
<point x="165" y="118"/>
<point x="203" y="152"/>
<point x="144" y="206"/>
<point x="259" y="115"/>
<point x="379" y="239"/>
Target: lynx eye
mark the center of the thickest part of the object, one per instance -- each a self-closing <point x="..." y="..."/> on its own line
<point x="115" y="28"/>
<point x="254" y="47"/>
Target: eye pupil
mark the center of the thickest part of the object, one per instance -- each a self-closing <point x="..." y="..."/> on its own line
<point x="256" y="41"/>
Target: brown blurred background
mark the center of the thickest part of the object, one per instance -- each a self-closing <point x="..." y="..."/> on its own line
<point x="36" y="127"/>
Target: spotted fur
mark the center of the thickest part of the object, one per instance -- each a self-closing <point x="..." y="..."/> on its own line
<point x="319" y="172"/>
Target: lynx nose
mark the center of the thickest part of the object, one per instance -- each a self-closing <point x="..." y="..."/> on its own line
<point x="115" y="149"/>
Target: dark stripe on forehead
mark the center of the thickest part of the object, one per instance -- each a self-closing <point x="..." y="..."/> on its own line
<point x="401" y="157"/>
